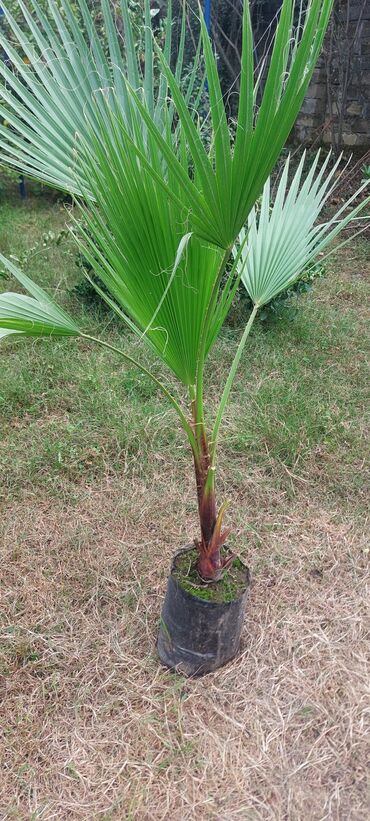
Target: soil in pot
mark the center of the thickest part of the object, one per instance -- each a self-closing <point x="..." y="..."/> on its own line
<point x="230" y="587"/>
<point x="201" y="621"/>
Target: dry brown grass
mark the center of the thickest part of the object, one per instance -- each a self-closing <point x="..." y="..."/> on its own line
<point x="94" y="728"/>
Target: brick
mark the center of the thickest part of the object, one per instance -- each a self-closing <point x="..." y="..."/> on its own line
<point x="302" y="134"/>
<point x="312" y="105"/>
<point x="318" y="75"/>
<point x="355" y="93"/>
<point x="360" y="126"/>
<point x="306" y="121"/>
<point x="354" y="13"/>
<point x="317" y="90"/>
<point x="352" y="139"/>
<point x="356" y="125"/>
<point x="354" y="108"/>
<point x="349" y="139"/>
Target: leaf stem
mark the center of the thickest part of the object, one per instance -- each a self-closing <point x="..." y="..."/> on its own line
<point x="203" y="341"/>
<point x="227" y="388"/>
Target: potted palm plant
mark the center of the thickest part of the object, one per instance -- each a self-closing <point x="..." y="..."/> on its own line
<point x="159" y="219"/>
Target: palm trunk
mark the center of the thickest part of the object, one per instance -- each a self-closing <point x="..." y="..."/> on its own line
<point x="210" y="562"/>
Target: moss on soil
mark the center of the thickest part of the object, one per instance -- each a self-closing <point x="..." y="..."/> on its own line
<point x="230" y="587"/>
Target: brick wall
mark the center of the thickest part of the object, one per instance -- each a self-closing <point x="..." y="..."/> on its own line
<point x="337" y="105"/>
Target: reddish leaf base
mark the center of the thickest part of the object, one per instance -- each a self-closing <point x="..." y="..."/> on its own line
<point x="211" y="568"/>
<point x="211" y="564"/>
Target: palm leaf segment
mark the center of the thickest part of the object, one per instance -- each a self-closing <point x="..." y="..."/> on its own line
<point x="283" y="238"/>
<point x="35" y="315"/>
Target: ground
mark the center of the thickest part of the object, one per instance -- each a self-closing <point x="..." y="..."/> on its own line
<point x="96" y="494"/>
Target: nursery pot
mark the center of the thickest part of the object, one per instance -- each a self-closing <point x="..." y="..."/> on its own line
<point x="197" y="636"/>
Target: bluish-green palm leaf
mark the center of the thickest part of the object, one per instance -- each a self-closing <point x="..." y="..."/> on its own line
<point x="49" y="99"/>
<point x="283" y="237"/>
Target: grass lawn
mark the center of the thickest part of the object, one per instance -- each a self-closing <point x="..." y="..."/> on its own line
<point x="97" y="492"/>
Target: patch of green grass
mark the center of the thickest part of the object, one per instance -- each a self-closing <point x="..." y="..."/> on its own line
<point x="301" y="392"/>
<point x="70" y="412"/>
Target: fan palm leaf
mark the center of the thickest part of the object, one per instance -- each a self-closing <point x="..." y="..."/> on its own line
<point x="159" y="275"/>
<point x="34" y="315"/>
<point x="283" y="238"/>
<point x="50" y="100"/>
<point x="226" y="182"/>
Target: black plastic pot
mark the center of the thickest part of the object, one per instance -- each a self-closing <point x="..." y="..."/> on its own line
<point x="198" y="636"/>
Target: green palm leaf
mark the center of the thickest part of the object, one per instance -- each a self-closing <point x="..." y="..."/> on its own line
<point x="283" y="238"/>
<point x="159" y="275"/>
<point x="227" y="185"/>
<point x="35" y="315"/>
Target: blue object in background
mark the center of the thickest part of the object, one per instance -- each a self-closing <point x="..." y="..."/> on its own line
<point x="207" y="15"/>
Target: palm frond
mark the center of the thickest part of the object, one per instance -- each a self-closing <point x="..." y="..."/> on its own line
<point x="50" y="101"/>
<point x="228" y="183"/>
<point x="160" y="277"/>
<point x="35" y="315"/>
<point x="283" y="238"/>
